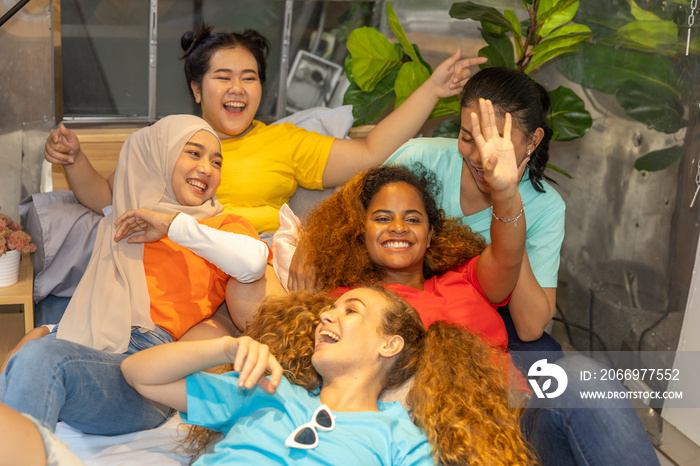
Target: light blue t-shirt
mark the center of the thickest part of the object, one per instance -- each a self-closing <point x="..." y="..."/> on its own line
<point x="544" y="212"/>
<point x="256" y="425"/>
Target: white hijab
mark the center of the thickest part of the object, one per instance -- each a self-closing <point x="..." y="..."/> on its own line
<point x="112" y="295"/>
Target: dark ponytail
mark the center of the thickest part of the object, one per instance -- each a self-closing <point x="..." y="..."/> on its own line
<point x="512" y="91"/>
<point x="200" y="44"/>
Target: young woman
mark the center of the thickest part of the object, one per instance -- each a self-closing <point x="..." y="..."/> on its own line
<point x="135" y="295"/>
<point x="326" y="407"/>
<point x="264" y="164"/>
<point x="466" y="194"/>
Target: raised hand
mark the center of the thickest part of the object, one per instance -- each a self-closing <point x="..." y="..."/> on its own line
<point x="154" y="225"/>
<point x="449" y="77"/>
<point x="62" y="146"/>
<point x="497" y="153"/>
<point x="251" y="360"/>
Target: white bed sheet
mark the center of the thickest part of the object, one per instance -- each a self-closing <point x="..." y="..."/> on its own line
<point x="159" y="446"/>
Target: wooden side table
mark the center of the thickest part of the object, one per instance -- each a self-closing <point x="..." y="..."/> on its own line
<point x="22" y="292"/>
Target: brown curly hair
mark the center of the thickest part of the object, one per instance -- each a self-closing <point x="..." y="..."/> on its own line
<point x="459" y="391"/>
<point x="334" y="234"/>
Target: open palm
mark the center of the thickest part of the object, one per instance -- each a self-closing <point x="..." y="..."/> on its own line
<point x="497" y="152"/>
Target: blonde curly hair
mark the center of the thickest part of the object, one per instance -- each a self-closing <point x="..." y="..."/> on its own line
<point x="459" y="391"/>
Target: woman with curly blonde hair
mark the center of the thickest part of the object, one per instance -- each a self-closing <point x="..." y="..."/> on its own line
<point x="337" y="359"/>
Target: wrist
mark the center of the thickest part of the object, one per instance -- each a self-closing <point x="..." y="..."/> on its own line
<point x="172" y="219"/>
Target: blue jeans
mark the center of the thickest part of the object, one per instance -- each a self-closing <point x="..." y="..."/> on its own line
<point x="606" y="432"/>
<point x="524" y="351"/>
<point x="52" y="380"/>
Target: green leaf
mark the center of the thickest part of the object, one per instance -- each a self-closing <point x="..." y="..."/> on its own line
<point x="650" y="33"/>
<point x="641" y="15"/>
<point x="399" y="32"/>
<point x="448" y="128"/>
<point x="368" y="106"/>
<point x="570" y="29"/>
<point x="558" y="42"/>
<point x="654" y="105"/>
<point x="420" y="59"/>
<point x="659" y="159"/>
<point x="541" y="58"/>
<point x="347" y="65"/>
<point x="447" y="106"/>
<point x="551" y="166"/>
<point x="411" y="76"/>
<point x="606" y="69"/>
<point x="490" y="18"/>
<point x="499" y="52"/>
<point x="569" y="118"/>
<point x="560" y="13"/>
<point x="373" y="57"/>
<point x="515" y="24"/>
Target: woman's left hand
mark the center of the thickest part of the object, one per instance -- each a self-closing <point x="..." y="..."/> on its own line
<point x="449" y="77"/>
<point x="154" y="225"/>
<point x="501" y="170"/>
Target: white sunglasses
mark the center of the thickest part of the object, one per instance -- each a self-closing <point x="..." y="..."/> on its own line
<point x="305" y="436"/>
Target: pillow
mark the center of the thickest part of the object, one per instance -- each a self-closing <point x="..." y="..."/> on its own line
<point x="335" y="122"/>
<point x="63" y="231"/>
<point x="284" y="243"/>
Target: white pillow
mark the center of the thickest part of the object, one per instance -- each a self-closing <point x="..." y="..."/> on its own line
<point x="284" y="243"/>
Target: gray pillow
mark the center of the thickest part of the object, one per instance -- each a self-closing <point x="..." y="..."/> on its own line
<point x="63" y="231"/>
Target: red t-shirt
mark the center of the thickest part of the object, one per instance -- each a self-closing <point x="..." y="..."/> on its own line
<point x="457" y="298"/>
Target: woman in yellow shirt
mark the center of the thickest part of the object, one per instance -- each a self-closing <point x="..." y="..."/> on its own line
<point x="265" y="163"/>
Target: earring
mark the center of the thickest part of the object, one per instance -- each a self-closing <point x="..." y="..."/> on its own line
<point x="528" y="152"/>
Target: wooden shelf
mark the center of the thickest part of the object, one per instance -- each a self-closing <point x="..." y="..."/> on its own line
<point x="22" y="292"/>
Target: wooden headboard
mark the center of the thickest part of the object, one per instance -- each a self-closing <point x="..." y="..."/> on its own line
<point x="101" y="146"/>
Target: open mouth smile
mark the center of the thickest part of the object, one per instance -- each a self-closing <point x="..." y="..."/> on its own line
<point x="326" y="336"/>
<point x="198" y="186"/>
<point x="235" y="107"/>
<point x="396" y="244"/>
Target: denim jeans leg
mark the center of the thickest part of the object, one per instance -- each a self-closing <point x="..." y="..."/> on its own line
<point x="606" y="432"/>
<point x="53" y="380"/>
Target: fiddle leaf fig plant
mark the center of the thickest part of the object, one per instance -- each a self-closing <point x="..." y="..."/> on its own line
<point x="381" y="72"/>
<point x="639" y="56"/>
<point x="546" y="33"/>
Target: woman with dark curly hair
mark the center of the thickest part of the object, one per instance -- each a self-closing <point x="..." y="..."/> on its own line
<point x="466" y="194"/>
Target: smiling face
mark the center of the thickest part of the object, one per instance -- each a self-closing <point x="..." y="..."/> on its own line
<point x="467" y="147"/>
<point x="230" y="92"/>
<point x="349" y="336"/>
<point x="197" y="171"/>
<point x="397" y="232"/>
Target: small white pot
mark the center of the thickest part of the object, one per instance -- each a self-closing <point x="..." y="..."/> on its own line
<point x="9" y="268"/>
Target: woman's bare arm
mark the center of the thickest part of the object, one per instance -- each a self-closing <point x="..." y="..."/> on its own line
<point x="350" y="156"/>
<point x="90" y="188"/>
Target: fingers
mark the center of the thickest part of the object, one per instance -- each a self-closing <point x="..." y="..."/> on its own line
<point x="252" y="361"/>
<point x="128" y="224"/>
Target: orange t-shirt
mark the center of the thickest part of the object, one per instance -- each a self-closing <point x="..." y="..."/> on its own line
<point x="183" y="287"/>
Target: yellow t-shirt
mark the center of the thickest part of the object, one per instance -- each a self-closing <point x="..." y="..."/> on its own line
<point x="262" y="170"/>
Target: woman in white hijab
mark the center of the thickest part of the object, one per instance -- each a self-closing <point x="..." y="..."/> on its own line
<point x="141" y="291"/>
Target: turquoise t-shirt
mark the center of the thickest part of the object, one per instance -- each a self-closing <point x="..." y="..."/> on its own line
<point x="256" y="425"/>
<point x="544" y="212"/>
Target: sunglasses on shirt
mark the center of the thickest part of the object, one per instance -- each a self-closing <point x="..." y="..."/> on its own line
<point x="306" y="436"/>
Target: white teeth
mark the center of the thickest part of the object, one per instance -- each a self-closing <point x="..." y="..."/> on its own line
<point x="234" y="104"/>
<point x="396" y="244"/>
<point x="197" y="184"/>
<point x="329" y="334"/>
